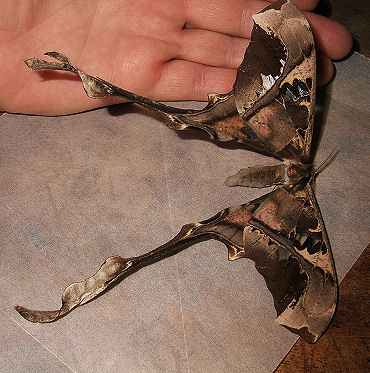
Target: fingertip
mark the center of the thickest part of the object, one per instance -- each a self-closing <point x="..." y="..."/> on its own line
<point x="332" y="38"/>
<point x="303" y="4"/>
<point x="325" y="69"/>
<point x="306" y="4"/>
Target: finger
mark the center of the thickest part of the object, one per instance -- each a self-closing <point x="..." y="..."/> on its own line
<point x="332" y="39"/>
<point x="325" y="69"/>
<point x="235" y="18"/>
<point x="232" y="17"/>
<point x="185" y="80"/>
<point x="303" y="4"/>
<point x="212" y="48"/>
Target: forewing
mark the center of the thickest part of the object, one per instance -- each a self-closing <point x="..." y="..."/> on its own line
<point x="271" y="105"/>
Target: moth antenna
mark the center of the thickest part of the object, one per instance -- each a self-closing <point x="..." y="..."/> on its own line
<point x="330" y="158"/>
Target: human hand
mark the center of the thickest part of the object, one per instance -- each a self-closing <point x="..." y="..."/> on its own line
<point x="165" y="49"/>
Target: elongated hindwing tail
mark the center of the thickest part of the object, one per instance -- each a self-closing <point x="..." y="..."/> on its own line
<point x="265" y="230"/>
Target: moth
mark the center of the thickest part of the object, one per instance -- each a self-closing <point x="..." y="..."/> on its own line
<point x="271" y="109"/>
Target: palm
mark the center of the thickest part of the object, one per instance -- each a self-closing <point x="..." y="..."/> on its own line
<point x="139" y="45"/>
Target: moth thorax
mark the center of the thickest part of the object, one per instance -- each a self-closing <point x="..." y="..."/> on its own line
<point x="299" y="172"/>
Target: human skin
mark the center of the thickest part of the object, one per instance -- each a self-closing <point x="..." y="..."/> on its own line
<point x="165" y="49"/>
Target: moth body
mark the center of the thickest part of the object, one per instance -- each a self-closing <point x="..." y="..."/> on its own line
<point x="271" y="109"/>
<point x="287" y="173"/>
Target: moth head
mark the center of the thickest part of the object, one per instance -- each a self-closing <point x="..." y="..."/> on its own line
<point x="299" y="173"/>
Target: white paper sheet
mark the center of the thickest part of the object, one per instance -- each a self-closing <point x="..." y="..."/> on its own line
<point x="80" y="188"/>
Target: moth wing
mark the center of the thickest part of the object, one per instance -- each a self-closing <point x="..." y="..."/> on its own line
<point x="283" y="233"/>
<point x="312" y="242"/>
<point x="287" y="240"/>
<point x="267" y="230"/>
<point x="271" y="105"/>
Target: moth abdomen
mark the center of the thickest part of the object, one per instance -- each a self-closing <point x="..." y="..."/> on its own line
<point x="287" y="173"/>
<point x="258" y="176"/>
